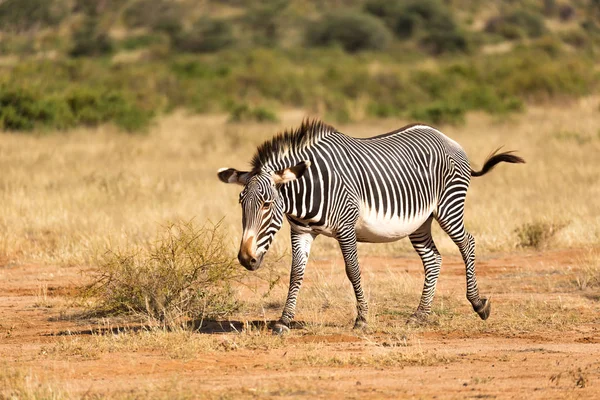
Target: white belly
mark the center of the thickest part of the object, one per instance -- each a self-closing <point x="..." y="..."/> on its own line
<point x="378" y="228"/>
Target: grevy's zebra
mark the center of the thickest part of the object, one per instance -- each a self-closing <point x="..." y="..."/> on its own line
<point x="377" y="189"/>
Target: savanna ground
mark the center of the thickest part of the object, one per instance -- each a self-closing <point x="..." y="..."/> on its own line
<point x="66" y="197"/>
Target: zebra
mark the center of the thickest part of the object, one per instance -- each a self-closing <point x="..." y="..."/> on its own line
<point x="377" y="189"/>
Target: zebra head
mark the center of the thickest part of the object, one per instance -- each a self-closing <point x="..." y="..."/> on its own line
<point x="262" y="208"/>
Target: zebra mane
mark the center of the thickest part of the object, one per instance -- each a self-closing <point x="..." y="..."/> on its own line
<point x="290" y="141"/>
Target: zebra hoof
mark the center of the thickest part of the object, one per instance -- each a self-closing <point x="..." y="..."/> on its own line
<point x="417" y="319"/>
<point x="485" y="310"/>
<point x="280" y="329"/>
<point x="360" y="325"/>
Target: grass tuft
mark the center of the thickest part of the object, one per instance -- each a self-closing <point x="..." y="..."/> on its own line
<point x="537" y="234"/>
<point x="18" y="384"/>
<point x="587" y="274"/>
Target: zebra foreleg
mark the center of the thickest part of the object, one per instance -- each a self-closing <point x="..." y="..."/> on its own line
<point x="423" y="244"/>
<point x="347" y="242"/>
<point x="301" y="243"/>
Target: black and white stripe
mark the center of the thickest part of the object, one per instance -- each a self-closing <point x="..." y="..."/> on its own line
<point x="377" y="189"/>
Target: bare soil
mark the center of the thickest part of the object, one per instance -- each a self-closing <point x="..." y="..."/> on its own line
<point x="542" y="361"/>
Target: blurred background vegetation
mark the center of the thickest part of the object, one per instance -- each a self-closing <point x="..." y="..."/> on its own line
<point x="69" y="63"/>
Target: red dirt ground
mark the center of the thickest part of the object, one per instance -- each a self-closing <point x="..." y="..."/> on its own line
<point x="540" y="364"/>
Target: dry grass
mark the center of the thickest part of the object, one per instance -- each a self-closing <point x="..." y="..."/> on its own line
<point x="24" y="385"/>
<point x="65" y="197"/>
<point x="587" y="272"/>
<point x="375" y="357"/>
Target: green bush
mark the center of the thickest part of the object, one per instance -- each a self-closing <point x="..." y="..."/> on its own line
<point x="243" y="113"/>
<point x="206" y="36"/>
<point x="517" y="24"/>
<point x="430" y="20"/>
<point x="141" y="41"/>
<point x="93" y="107"/>
<point x="185" y="275"/>
<point x="152" y="13"/>
<point x="439" y="41"/>
<point x="535" y="75"/>
<point x="63" y="93"/>
<point x="576" y="38"/>
<point x="89" y="40"/>
<point x="96" y="8"/>
<point x="23" y="110"/>
<point x="24" y="15"/>
<point x="351" y="30"/>
<point x="440" y="113"/>
<point x="265" y="22"/>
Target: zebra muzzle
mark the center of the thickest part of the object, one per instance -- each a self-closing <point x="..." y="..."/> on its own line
<point x="247" y="257"/>
<point x="250" y="262"/>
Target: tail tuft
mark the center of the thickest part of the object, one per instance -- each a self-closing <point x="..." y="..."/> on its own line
<point x="496" y="158"/>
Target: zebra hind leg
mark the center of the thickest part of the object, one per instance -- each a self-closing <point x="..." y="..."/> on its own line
<point x="466" y="244"/>
<point x="423" y="244"/>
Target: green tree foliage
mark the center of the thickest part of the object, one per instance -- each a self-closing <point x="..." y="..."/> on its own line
<point x="352" y="31"/>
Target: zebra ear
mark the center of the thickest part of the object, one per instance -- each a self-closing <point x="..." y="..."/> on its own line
<point x="232" y="175"/>
<point x="290" y="174"/>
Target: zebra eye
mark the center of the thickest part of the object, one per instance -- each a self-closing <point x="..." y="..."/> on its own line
<point x="266" y="205"/>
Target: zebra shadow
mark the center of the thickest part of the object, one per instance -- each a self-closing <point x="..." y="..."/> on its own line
<point x="216" y="326"/>
<point x="205" y="326"/>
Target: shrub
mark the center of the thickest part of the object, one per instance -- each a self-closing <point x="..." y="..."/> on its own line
<point x="548" y="44"/>
<point x="22" y="110"/>
<point x="440" y="41"/>
<point x="141" y="41"/>
<point x="430" y="19"/>
<point x="207" y="35"/>
<point x="265" y="23"/>
<point x="352" y="31"/>
<point x="89" y="40"/>
<point x="95" y="7"/>
<point x="243" y="113"/>
<point x="575" y="38"/>
<point x="519" y="23"/>
<point x="537" y="234"/>
<point x="184" y="275"/>
<point x="152" y="13"/>
<point x="566" y="12"/>
<point x="549" y="7"/>
<point x="23" y="15"/>
<point x="93" y="107"/>
<point x="440" y="113"/>
<point x="388" y="11"/>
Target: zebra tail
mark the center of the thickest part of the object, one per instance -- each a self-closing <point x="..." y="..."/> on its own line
<point x="496" y="158"/>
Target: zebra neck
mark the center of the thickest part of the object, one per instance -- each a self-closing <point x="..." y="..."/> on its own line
<point x="305" y="198"/>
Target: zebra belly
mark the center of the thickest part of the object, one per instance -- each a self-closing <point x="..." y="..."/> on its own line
<point x="378" y="228"/>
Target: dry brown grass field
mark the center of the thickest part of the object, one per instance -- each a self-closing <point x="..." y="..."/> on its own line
<point x="67" y="197"/>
